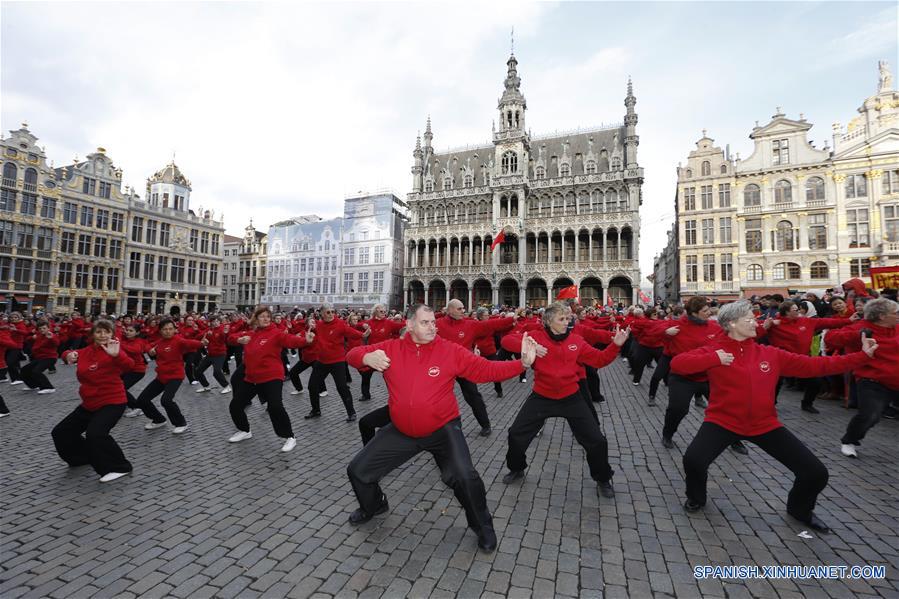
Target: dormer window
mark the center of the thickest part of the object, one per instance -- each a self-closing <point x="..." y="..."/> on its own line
<point x="706" y="168"/>
<point x="590" y="167"/>
<point x="447" y="183"/>
<point x="540" y="173"/>
<point x="781" y="151"/>
<point x="510" y="163"/>
<point x="429" y="185"/>
<point x="616" y="164"/>
<point x="468" y="181"/>
<point x="564" y="170"/>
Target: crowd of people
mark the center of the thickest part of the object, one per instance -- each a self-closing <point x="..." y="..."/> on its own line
<point x="730" y="360"/>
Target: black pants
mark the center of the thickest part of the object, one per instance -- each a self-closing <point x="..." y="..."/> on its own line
<point x="237" y="352"/>
<point x="216" y="362"/>
<point x="337" y="371"/>
<point x="593" y="388"/>
<point x="294" y="374"/>
<point x="390" y="449"/>
<point x="190" y="365"/>
<point x="371" y="422"/>
<point x="475" y="400"/>
<point x="3" y="408"/>
<point x="285" y="359"/>
<point x="168" y="390"/>
<point x="642" y="356"/>
<point x="660" y="374"/>
<point x="680" y="394"/>
<point x="810" y="389"/>
<point x="585" y="393"/>
<point x="366" y="383"/>
<point x="33" y="373"/>
<point x="130" y="379"/>
<point x="349" y="377"/>
<point x="873" y="399"/>
<point x="497" y="386"/>
<point x="584" y="427"/>
<point x="13" y="357"/>
<point x="269" y="394"/>
<point x="96" y="447"/>
<point x="780" y="444"/>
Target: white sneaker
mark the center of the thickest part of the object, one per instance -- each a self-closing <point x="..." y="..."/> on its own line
<point x="151" y="425"/>
<point x="4" y="379"/>
<point x="848" y="450"/>
<point x="226" y="390"/>
<point x="240" y="436"/>
<point x="323" y="394"/>
<point x="46" y="391"/>
<point x="289" y="444"/>
<point x="133" y="413"/>
<point x="108" y="478"/>
<point x="4" y="414"/>
<point x="179" y="429"/>
<point x="295" y="392"/>
<point x="203" y="390"/>
<point x="636" y="383"/>
<point x="195" y="382"/>
<point x="524" y="380"/>
<point x="17" y="382"/>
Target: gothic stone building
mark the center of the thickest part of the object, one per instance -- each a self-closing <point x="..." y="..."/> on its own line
<point x="567" y="203"/>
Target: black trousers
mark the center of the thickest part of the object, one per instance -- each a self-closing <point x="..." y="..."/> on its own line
<point x="475" y="400"/>
<point x="593" y="388"/>
<point x="810" y="389"/>
<point x="584" y="427"/>
<point x="190" y="365"/>
<point x="780" y="444"/>
<point x="337" y="371"/>
<point x="3" y="408"/>
<point x="371" y="422"/>
<point x="168" y="391"/>
<point x="349" y="377"/>
<point x="585" y="393"/>
<point x="366" y="383"/>
<point x="216" y="362"/>
<point x="13" y="358"/>
<point x="237" y="352"/>
<point x="680" y="394"/>
<point x="285" y="359"/>
<point x="660" y="374"/>
<point x="130" y="379"/>
<point x="873" y="399"/>
<point x="269" y="394"/>
<point x="96" y="447"/>
<point x="33" y="373"/>
<point x="642" y="356"/>
<point x="294" y="374"/>
<point x="497" y="386"/>
<point x="390" y="449"/>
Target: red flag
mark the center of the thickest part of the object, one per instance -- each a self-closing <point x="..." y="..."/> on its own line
<point x="610" y="302"/>
<point x="644" y="298"/>
<point x="569" y="292"/>
<point x="501" y="237"/>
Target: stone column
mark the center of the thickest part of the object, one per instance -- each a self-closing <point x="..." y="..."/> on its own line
<point x="447" y="295"/>
<point x="427" y="296"/>
<point x="495" y="290"/>
<point x="521" y="297"/>
<point x="549" y="293"/>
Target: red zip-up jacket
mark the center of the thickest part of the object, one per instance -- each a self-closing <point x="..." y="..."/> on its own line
<point x="330" y="338"/>
<point x="466" y="331"/>
<point x="18" y="332"/>
<point x="421" y="377"/>
<point x="218" y="345"/>
<point x="884" y="368"/>
<point x="135" y="348"/>
<point x="6" y="343"/>
<point x="45" y="348"/>
<point x="383" y="329"/>
<point x="556" y="374"/>
<point x="742" y="394"/>
<point x="100" y="377"/>
<point x="691" y="336"/>
<point x="352" y="342"/>
<point x="170" y="357"/>
<point x="795" y="334"/>
<point x="650" y="332"/>
<point x="262" y="355"/>
<point x="487" y="344"/>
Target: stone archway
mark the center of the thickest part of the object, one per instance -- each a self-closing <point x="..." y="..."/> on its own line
<point x="621" y="290"/>
<point x="591" y="291"/>
<point x="437" y="294"/>
<point x="416" y="293"/>
<point x="459" y="291"/>
<point x="508" y="292"/>
<point x="536" y="293"/>
<point x="560" y="284"/>
<point x="481" y="293"/>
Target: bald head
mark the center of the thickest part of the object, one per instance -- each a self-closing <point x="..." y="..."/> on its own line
<point x="455" y="309"/>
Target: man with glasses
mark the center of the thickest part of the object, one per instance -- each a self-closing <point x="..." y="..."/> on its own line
<point x="331" y="335"/>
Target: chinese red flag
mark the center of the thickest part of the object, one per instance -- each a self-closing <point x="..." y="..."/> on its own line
<point x="644" y="298"/>
<point x="610" y="302"/>
<point x="569" y="292"/>
<point x="501" y="237"/>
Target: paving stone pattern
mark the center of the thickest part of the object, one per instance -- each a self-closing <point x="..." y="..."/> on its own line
<point x="204" y="518"/>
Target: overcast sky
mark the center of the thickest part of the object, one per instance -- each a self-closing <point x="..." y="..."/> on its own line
<point x="275" y="110"/>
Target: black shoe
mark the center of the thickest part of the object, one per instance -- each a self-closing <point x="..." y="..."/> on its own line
<point x="312" y="414"/>
<point x="487" y="539"/>
<point x="601" y="399"/>
<point x="486" y="431"/>
<point x="814" y="523"/>
<point x="52" y="371"/>
<point x="512" y="476"/>
<point x="811" y="409"/>
<point x="667" y="443"/>
<point x="351" y="417"/>
<point x="700" y="403"/>
<point x="651" y="402"/>
<point x="499" y="393"/>
<point x="890" y="413"/>
<point x="692" y="506"/>
<point x="738" y="447"/>
<point x="606" y="489"/>
<point x="360" y="516"/>
<point x="365" y="398"/>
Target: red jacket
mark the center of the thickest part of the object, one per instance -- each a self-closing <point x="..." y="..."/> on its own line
<point x="556" y="375"/>
<point x="690" y="336"/>
<point x="6" y="343"/>
<point x="262" y="355"/>
<point x="795" y="334"/>
<point x="884" y="368"/>
<point x="383" y="329"/>
<point x="218" y="345"/>
<point x="99" y="375"/>
<point x="170" y="357"/>
<point x="421" y="377"/>
<point x="466" y="331"/>
<point x="18" y="332"/>
<point x="135" y="348"/>
<point x="352" y="342"/>
<point x="649" y="332"/>
<point x="330" y="338"/>
<point x="487" y="344"/>
<point x="45" y="348"/>
<point x="742" y="394"/>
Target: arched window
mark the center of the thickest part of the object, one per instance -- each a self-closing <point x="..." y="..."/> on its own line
<point x="689" y="173"/>
<point x="429" y="185"/>
<point x="786" y="271"/>
<point x="10" y="174"/>
<point x="783" y="237"/>
<point x="590" y="167"/>
<point x="616" y="163"/>
<point x="752" y="195"/>
<point x="31" y="177"/>
<point x="706" y="168"/>
<point x="540" y="173"/>
<point x="819" y="270"/>
<point x="447" y="183"/>
<point x="754" y="272"/>
<point x="723" y="169"/>
<point x="783" y="191"/>
<point x="468" y="181"/>
<point x="510" y="163"/>
<point x="564" y="170"/>
<point x="814" y="188"/>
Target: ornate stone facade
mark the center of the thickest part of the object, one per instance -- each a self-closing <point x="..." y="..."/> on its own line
<point x="568" y="205"/>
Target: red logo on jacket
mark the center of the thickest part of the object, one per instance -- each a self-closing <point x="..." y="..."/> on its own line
<point x="433" y="371"/>
<point x="461" y="334"/>
<point x="168" y="348"/>
<point x="263" y="341"/>
<point x="92" y="366"/>
<point x="572" y="347"/>
<point x="765" y="366"/>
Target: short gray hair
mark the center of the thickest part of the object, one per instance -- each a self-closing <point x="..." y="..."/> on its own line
<point x="412" y="311"/>
<point x="733" y="312"/>
<point x="878" y="308"/>
<point x="376" y="306"/>
<point x="327" y="306"/>
<point x="552" y="310"/>
<point x="482" y="310"/>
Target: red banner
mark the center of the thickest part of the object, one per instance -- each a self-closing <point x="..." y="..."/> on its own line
<point x="884" y="277"/>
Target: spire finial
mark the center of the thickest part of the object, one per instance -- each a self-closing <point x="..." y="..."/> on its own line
<point x="704" y="133"/>
<point x="630" y="86"/>
<point x="513" y="41"/>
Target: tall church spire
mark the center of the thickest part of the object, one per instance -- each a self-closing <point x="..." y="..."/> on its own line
<point x="631" y="139"/>
<point x="512" y="104"/>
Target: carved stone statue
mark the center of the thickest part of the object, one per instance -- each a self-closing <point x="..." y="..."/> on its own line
<point x="886" y="78"/>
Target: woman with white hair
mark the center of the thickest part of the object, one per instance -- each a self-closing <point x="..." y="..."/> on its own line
<point x="742" y="377"/>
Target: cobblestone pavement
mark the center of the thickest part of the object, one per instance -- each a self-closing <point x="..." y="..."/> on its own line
<point x="204" y="518"/>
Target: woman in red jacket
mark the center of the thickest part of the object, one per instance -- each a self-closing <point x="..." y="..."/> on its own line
<point x="102" y="403"/>
<point x="135" y="347"/>
<point x="6" y="342"/>
<point x="169" y="353"/>
<point x="18" y="331"/>
<point x="43" y="356"/>
<point x="216" y="353"/>
<point x="263" y="375"/>
<point x="742" y="376"/>
<point x="190" y="330"/>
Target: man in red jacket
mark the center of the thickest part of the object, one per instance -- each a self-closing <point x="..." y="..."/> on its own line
<point x="44" y="350"/>
<point x="382" y="329"/>
<point x="420" y="371"/>
<point x="331" y="335"/>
